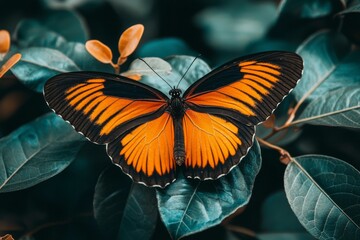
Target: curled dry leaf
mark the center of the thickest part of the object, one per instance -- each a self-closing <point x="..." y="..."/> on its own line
<point x="129" y="40"/>
<point x="4" y="41"/>
<point x="99" y="51"/>
<point x="9" y="64"/>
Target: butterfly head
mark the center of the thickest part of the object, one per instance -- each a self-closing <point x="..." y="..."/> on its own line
<point x="175" y="92"/>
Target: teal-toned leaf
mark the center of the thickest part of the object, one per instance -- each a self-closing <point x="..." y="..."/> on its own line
<point x="350" y="18"/>
<point x="309" y="8"/>
<point x="37" y="151"/>
<point x="171" y="70"/>
<point x="233" y="25"/>
<point x="164" y="47"/>
<point x="340" y="108"/>
<point x="68" y="24"/>
<point x="285" y="236"/>
<point x="197" y="69"/>
<point x="39" y="64"/>
<point x="31" y="33"/>
<point x="324" y="193"/>
<point x="124" y="210"/>
<point x="188" y="206"/>
<point x="281" y="116"/>
<point x="329" y="63"/>
<point x="277" y="216"/>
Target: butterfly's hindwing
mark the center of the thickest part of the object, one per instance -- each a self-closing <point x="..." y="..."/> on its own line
<point x="214" y="144"/>
<point x="146" y="152"/>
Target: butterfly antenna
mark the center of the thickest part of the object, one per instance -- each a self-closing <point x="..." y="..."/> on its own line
<point x="187" y="70"/>
<point x="155" y="72"/>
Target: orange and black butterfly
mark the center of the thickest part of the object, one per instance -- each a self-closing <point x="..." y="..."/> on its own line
<point x="206" y="130"/>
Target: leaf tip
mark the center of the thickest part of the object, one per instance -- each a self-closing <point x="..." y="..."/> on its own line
<point x="99" y="51"/>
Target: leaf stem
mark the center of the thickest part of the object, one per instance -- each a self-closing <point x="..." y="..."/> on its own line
<point x="285" y="156"/>
<point x="304" y="97"/>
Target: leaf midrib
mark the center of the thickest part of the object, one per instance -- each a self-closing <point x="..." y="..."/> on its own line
<point x="187" y="207"/>
<point x="25" y="162"/>
<point x="323" y="192"/>
<point x="302" y="120"/>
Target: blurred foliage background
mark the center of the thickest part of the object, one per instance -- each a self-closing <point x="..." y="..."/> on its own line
<point x="62" y="207"/>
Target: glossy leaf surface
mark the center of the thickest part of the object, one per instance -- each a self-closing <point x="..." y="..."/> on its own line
<point x="324" y="193"/>
<point x="188" y="206"/>
<point x="340" y="108"/>
<point x="329" y="63"/>
<point x="124" y="210"/>
<point x="37" y="151"/>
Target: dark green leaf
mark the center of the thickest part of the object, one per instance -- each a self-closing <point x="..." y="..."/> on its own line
<point x="308" y="8"/>
<point x="329" y="63"/>
<point x="37" y="151"/>
<point x="67" y="23"/>
<point x="277" y="216"/>
<point x="164" y="47"/>
<point x="233" y="25"/>
<point x="285" y="236"/>
<point x="124" y="210"/>
<point x="31" y="33"/>
<point x="37" y="65"/>
<point x="340" y="108"/>
<point x="324" y="193"/>
<point x="281" y="115"/>
<point x="350" y="19"/>
<point x="188" y="206"/>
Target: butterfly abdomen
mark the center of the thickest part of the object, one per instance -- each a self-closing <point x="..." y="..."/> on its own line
<point x="179" y="146"/>
<point x="177" y="109"/>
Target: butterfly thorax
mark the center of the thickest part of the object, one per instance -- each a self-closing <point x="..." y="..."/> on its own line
<point x="177" y="109"/>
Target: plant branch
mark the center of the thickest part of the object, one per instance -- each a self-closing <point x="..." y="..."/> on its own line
<point x="305" y="96"/>
<point x="285" y="156"/>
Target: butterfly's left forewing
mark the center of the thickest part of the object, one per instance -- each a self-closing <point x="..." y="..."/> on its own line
<point x="128" y="116"/>
<point x="224" y="106"/>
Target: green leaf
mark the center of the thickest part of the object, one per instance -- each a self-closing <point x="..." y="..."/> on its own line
<point x="171" y="70"/>
<point x="182" y="63"/>
<point x="324" y="193"/>
<point x="308" y="8"/>
<point x="277" y="216"/>
<point x="31" y="33"/>
<point x="285" y="236"/>
<point x="67" y="23"/>
<point x="164" y="47"/>
<point x="37" y="151"/>
<point x="340" y="108"/>
<point x="350" y="19"/>
<point x="233" y="25"/>
<point x="124" y="210"/>
<point x="188" y="206"/>
<point x="37" y="65"/>
<point x="329" y="63"/>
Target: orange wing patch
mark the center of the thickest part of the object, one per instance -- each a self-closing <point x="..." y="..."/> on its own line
<point x="149" y="148"/>
<point x="108" y="112"/>
<point x="245" y="94"/>
<point x="209" y="140"/>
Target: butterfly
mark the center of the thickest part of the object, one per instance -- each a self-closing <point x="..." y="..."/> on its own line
<point x="205" y="130"/>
